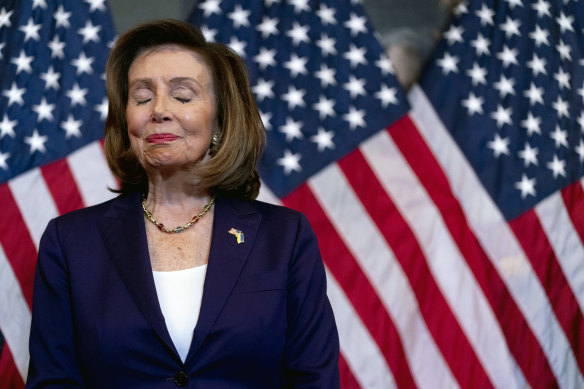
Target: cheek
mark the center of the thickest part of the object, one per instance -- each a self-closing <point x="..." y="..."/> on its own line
<point x="135" y="121"/>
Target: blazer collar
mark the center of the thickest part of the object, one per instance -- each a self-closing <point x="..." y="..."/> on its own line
<point x="124" y="234"/>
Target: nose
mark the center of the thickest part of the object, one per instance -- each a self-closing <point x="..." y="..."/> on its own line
<point x="160" y="112"/>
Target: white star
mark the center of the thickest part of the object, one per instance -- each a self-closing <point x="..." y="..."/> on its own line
<point x="263" y="89"/>
<point x="210" y="7"/>
<point x="460" y="8"/>
<point x="537" y="65"/>
<point x="5" y="18"/>
<point x="265" y="58"/>
<point x="564" y="50"/>
<point x="477" y="74"/>
<point x="508" y="56"/>
<point x="557" y="166"/>
<point x="83" y="64"/>
<point x="387" y="95"/>
<point x="72" y="127"/>
<point x="266" y="117"/>
<point x="326" y="15"/>
<point x="239" y="16"/>
<point x="31" y="30"/>
<point x="448" y="63"/>
<point x="2" y="44"/>
<point x="89" y="32"/>
<point x="298" y="34"/>
<point x="513" y="3"/>
<point x="327" y="45"/>
<point x="561" y="107"/>
<point x="529" y="155"/>
<point x="356" y="55"/>
<point x="356" y="24"/>
<point x="534" y="94"/>
<point x="77" y="95"/>
<point x="355" y="86"/>
<point x="96" y="5"/>
<point x="531" y="124"/>
<point x="62" y="17"/>
<point x="300" y="5"/>
<point x="296" y="65"/>
<point x="39" y="3"/>
<point x="454" y="34"/>
<point x="294" y="97"/>
<point x="511" y="27"/>
<point x="51" y="79"/>
<point x="208" y="33"/>
<point x="385" y="64"/>
<point x="542" y="7"/>
<point x="560" y="137"/>
<point x="481" y="45"/>
<point x="326" y="76"/>
<point x="292" y="130"/>
<point x="325" y="107"/>
<point x="565" y="22"/>
<point x="502" y="116"/>
<point x="526" y="186"/>
<point x="44" y="110"/>
<point x="580" y="150"/>
<point x="540" y="36"/>
<point x="505" y="86"/>
<point x="499" y="146"/>
<point x="581" y="121"/>
<point x="562" y="78"/>
<point x="102" y="109"/>
<point x="355" y="117"/>
<point x="36" y="141"/>
<point x="486" y="15"/>
<point x="269" y="3"/>
<point x="268" y="27"/>
<point x="3" y="158"/>
<point x="290" y="162"/>
<point x="57" y="48"/>
<point x="323" y="139"/>
<point x="581" y="92"/>
<point x="22" y="62"/>
<point x="7" y="127"/>
<point x="473" y="104"/>
<point x="14" y="94"/>
<point x="237" y="46"/>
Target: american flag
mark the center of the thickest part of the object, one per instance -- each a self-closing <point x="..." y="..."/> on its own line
<point x="52" y="114"/>
<point x="452" y="238"/>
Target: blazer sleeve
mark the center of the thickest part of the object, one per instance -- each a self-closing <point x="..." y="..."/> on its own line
<point x="312" y="343"/>
<point x="53" y="361"/>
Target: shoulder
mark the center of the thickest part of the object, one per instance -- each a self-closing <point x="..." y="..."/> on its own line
<point x="269" y="212"/>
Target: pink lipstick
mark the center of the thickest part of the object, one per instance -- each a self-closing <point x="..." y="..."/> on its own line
<point x="160" y="138"/>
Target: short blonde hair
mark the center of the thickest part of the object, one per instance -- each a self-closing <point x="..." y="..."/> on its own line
<point x="232" y="169"/>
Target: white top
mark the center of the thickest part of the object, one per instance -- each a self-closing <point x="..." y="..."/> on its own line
<point x="180" y="294"/>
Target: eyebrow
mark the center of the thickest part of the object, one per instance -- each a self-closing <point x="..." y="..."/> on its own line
<point x="173" y="81"/>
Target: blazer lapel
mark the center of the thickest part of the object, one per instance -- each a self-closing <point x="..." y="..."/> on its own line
<point x="124" y="235"/>
<point x="227" y="257"/>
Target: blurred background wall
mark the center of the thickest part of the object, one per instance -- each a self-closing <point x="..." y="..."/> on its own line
<point x="407" y="29"/>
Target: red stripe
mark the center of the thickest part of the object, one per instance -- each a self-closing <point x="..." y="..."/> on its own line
<point x="441" y="322"/>
<point x="538" y="249"/>
<point x="573" y="196"/>
<point x="17" y="243"/>
<point x="9" y="375"/>
<point x="62" y="186"/>
<point x="348" y="380"/>
<point x="347" y="272"/>
<point x="520" y="339"/>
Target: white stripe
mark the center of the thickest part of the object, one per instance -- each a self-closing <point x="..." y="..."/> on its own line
<point x="91" y="172"/>
<point x="14" y="316"/>
<point x="359" y="350"/>
<point x="446" y="263"/>
<point x="378" y="262"/>
<point x="267" y="196"/>
<point x="499" y="242"/>
<point x="35" y="202"/>
<point x="565" y="241"/>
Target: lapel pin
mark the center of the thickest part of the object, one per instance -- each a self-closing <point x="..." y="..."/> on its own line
<point x="238" y="234"/>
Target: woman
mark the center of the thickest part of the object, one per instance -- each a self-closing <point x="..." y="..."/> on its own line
<point x="138" y="293"/>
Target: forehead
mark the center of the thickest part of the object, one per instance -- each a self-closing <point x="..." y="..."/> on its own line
<point x="171" y="61"/>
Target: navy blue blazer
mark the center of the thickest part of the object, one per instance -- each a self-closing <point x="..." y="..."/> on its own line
<point x="265" y="320"/>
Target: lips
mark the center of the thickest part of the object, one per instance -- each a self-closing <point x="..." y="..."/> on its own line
<point x="160" y="138"/>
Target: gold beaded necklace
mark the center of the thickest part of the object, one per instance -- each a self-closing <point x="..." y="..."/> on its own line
<point x="178" y="229"/>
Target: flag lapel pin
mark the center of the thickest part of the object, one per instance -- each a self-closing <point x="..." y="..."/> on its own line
<point x="238" y="234"/>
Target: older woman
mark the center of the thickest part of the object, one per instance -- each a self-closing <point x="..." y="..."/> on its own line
<point x="139" y="293"/>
